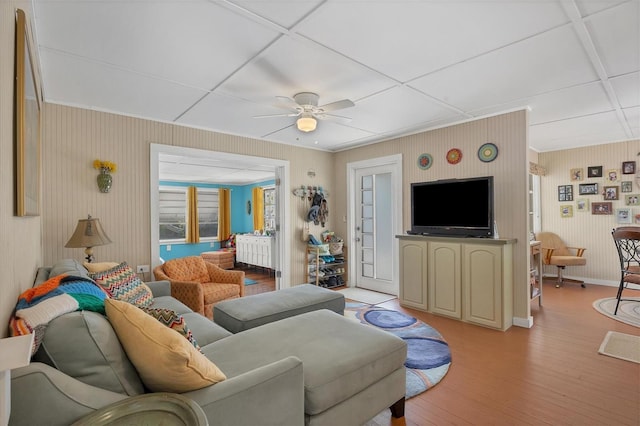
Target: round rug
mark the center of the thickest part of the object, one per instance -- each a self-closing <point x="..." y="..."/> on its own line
<point x="428" y="354"/>
<point x="628" y="311"/>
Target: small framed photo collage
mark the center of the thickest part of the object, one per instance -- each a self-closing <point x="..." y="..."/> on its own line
<point x="602" y="191"/>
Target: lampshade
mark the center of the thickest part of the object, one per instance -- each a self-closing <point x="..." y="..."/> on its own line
<point x="88" y="234"/>
<point x="306" y="123"/>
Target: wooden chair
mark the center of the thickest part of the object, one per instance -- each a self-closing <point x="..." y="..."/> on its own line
<point x="555" y="252"/>
<point x="627" y="240"/>
<point x="200" y="284"/>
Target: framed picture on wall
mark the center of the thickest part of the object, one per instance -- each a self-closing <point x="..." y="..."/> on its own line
<point x="605" y="207"/>
<point x="610" y="192"/>
<point x="576" y="174"/>
<point x="582" y="205"/>
<point x="566" y="210"/>
<point x="626" y="186"/>
<point x="623" y="215"/>
<point x="588" y="189"/>
<point x="612" y="175"/>
<point x="594" y="171"/>
<point x="565" y="193"/>
<point x="632" y="200"/>
<point x="628" y="167"/>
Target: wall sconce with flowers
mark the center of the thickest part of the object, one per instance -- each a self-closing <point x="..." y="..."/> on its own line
<point x="104" y="178"/>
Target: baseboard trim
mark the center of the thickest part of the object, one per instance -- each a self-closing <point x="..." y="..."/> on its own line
<point x="523" y="322"/>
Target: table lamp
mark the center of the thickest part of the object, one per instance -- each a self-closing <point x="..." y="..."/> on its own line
<point x="88" y="234"/>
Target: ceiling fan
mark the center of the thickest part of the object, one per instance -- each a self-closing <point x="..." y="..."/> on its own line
<point x="305" y="106"/>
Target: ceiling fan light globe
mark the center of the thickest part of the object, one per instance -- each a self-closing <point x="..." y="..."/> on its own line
<point x="306" y="124"/>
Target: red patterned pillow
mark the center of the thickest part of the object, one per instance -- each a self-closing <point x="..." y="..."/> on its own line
<point x="174" y="321"/>
<point x="122" y="283"/>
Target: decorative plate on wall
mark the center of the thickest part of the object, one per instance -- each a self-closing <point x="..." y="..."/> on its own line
<point x="488" y="152"/>
<point x="454" y="156"/>
<point x="425" y="161"/>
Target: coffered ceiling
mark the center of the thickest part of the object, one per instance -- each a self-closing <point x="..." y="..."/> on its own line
<point x="407" y="65"/>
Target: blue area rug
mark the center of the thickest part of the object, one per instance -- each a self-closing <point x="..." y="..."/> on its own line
<point x="249" y="281"/>
<point x="428" y="355"/>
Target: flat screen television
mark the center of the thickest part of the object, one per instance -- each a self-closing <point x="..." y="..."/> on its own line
<point x="453" y="207"/>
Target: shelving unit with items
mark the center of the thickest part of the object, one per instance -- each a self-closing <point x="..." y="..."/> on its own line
<point x="326" y="270"/>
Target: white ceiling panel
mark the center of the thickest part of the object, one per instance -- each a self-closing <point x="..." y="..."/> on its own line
<point x="550" y="61"/>
<point x="408" y="39"/>
<point x="74" y="81"/>
<point x="326" y="135"/>
<point x="589" y="7"/>
<point x="196" y="43"/>
<point x="291" y="65"/>
<point x="616" y="36"/>
<point x="221" y="112"/>
<point x="395" y="110"/>
<point x="633" y="118"/>
<point x="627" y="89"/>
<point x="284" y="13"/>
<point x="582" y="131"/>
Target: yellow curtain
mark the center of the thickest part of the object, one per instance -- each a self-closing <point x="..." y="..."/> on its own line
<point x="258" y="209"/>
<point x="224" y="214"/>
<point x="193" y="232"/>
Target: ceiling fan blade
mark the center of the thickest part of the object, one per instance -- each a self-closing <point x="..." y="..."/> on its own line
<point x="293" y="114"/>
<point x="345" y="103"/>
<point x="287" y="102"/>
<point x="335" y="117"/>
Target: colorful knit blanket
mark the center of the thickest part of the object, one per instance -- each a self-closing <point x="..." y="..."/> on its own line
<point x="59" y="295"/>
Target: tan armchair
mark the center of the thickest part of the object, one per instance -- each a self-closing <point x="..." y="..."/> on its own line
<point x="555" y="252"/>
<point x="200" y="284"/>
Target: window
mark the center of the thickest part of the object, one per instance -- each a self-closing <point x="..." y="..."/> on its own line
<point x="208" y="213"/>
<point x="269" y="208"/>
<point x="172" y="207"/>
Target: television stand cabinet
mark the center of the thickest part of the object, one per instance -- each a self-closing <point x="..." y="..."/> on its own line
<point x="469" y="279"/>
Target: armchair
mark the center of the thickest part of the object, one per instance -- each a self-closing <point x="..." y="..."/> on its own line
<point x="555" y="252"/>
<point x="200" y="284"/>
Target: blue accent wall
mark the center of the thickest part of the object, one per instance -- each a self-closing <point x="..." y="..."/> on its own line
<point x="241" y="222"/>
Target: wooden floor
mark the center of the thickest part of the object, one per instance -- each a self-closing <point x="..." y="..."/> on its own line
<point x="550" y="374"/>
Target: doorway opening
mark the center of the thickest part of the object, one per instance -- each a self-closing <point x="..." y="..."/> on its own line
<point x="280" y="169"/>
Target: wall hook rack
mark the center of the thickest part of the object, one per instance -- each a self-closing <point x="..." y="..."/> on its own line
<point x="309" y="192"/>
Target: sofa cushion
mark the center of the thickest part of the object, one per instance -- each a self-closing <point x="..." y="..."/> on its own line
<point x="203" y="329"/>
<point x="166" y="362"/>
<point x="190" y="268"/>
<point x="99" y="266"/>
<point x="68" y="267"/>
<point x="168" y="302"/>
<point x="122" y="283"/>
<point x="84" y="346"/>
<point x="174" y="321"/>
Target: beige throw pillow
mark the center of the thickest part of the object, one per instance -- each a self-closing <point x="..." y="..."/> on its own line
<point x="100" y="266"/>
<point x="165" y="360"/>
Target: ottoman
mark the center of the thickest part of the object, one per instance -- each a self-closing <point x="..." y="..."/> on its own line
<point x="225" y="259"/>
<point x="244" y="313"/>
<point x="351" y="371"/>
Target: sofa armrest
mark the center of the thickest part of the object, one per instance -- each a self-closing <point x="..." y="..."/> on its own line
<point x="40" y="394"/>
<point x="219" y="275"/>
<point x="160" y="288"/>
<point x="269" y="395"/>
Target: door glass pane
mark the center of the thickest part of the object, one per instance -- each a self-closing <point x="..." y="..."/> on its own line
<point x="367" y="182"/>
<point x="367" y="240"/>
<point x="367" y="211"/>
<point x="367" y="270"/>
<point x="367" y="255"/>
<point x="367" y="197"/>
<point x="367" y="225"/>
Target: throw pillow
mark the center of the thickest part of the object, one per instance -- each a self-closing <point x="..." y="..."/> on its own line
<point x="122" y="283"/>
<point x="174" y="321"/>
<point x="166" y="362"/>
<point x="99" y="267"/>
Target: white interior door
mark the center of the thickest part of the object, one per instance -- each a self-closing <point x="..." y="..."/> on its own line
<point x="375" y="228"/>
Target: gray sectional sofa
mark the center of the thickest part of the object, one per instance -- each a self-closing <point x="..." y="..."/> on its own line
<point x="313" y="368"/>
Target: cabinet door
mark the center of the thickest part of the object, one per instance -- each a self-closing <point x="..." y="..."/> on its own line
<point x="482" y="285"/>
<point x="413" y="274"/>
<point x="444" y="284"/>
